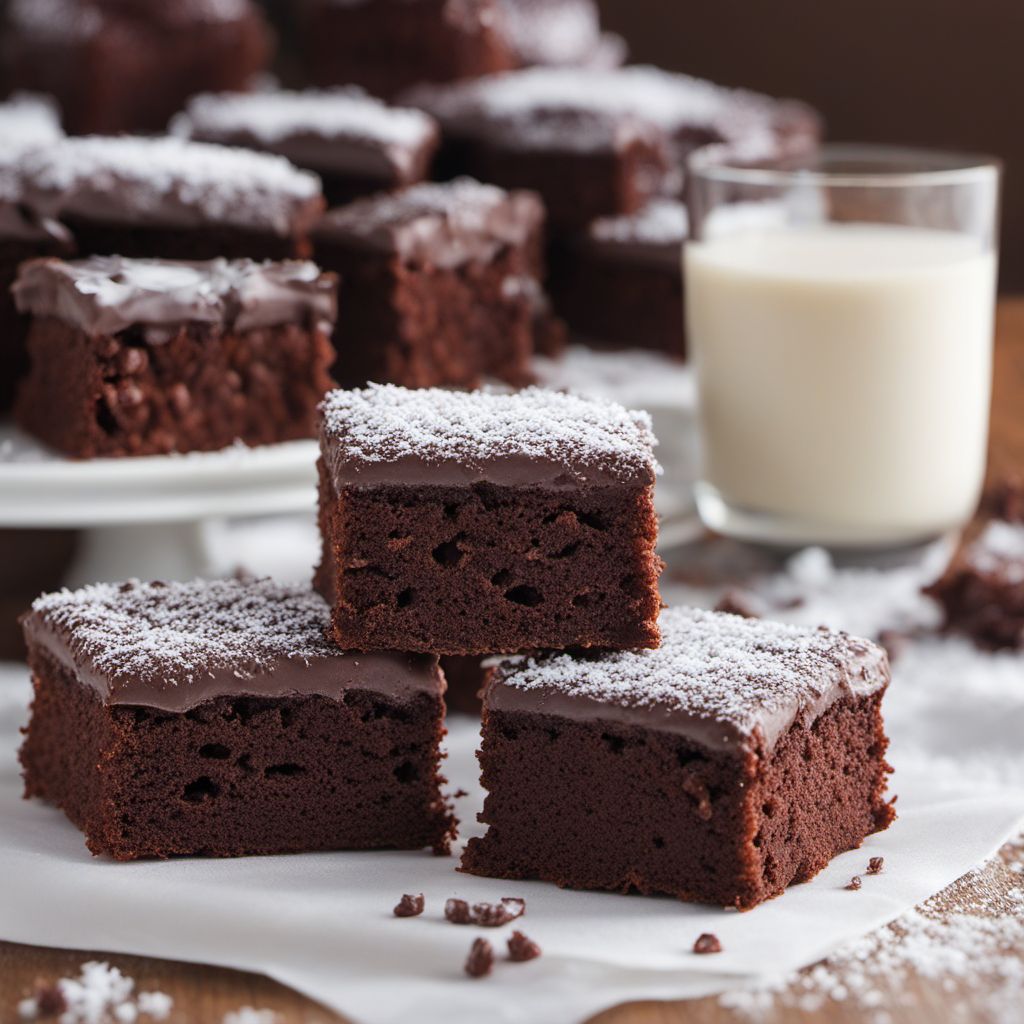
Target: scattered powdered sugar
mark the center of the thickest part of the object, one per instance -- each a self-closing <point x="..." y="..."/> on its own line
<point x="250" y="1015"/>
<point x="100" y="994"/>
<point x="740" y="672"/>
<point x="660" y="222"/>
<point x="384" y="423"/>
<point x="157" y="179"/>
<point x="1000" y="549"/>
<point x="181" y="631"/>
<point x="272" y="117"/>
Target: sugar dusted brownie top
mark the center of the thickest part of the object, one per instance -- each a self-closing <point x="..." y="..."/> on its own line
<point x="653" y="235"/>
<point x="445" y="223"/>
<point x="389" y="434"/>
<point x="174" y="645"/>
<point x="724" y="681"/>
<point x="168" y="181"/>
<point x="337" y="129"/>
<point x="26" y="123"/>
<point x="107" y="294"/>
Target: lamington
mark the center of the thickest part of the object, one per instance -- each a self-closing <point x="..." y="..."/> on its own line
<point x="355" y="143"/>
<point x="483" y="522"/>
<point x="733" y="761"/>
<point x="619" y="284"/>
<point x="26" y="123"/>
<point x="170" y="198"/>
<point x="388" y="45"/>
<point x="121" y="66"/>
<point x="145" y="357"/>
<point x="598" y="142"/>
<point x="440" y="285"/>
<point x="214" y="719"/>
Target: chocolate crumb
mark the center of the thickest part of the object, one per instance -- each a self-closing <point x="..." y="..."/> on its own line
<point x="457" y="911"/>
<point x="854" y="883"/>
<point x="50" y="1001"/>
<point x="707" y="943"/>
<point x="735" y="602"/>
<point x="521" y="948"/>
<point x="459" y="793"/>
<point x="409" y="905"/>
<point x="480" y="959"/>
<point x="494" y="915"/>
<point x="875" y="865"/>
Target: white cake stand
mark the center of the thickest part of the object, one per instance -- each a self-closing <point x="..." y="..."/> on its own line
<point x="153" y="517"/>
<point x="163" y="517"/>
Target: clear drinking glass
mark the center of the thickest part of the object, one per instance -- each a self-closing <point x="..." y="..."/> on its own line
<point x="840" y="317"/>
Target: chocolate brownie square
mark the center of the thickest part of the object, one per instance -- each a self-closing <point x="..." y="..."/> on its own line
<point x="355" y="143"/>
<point x="26" y="123"/>
<point x="982" y="591"/>
<point x="171" y="199"/>
<point x="144" y="357"/>
<point x="387" y="45"/>
<point x="735" y="760"/>
<point x="125" y="66"/>
<point x="440" y="285"/>
<point x="213" y="719"/>
<point x="619" y="283"/>
<point x="477" y="522"/>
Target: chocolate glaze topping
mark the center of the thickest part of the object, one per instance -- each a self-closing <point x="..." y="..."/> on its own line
<point x="172" y="646"/>
<point x="385" y="434"/>
<point x="724" y="682"/>
<point x="445" y="224"/>
<point x="107" y="294"/>
<point x="338" y="130"/>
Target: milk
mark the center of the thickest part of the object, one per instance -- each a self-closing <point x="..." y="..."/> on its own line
<point x="844" y="376"/>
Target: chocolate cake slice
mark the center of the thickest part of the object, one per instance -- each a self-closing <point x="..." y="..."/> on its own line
<point x="125" y="66"/>
<point x="170" y="198"/>
<point x="145" y="357"/>
<point x="735" y="760"/>
<point x="440" y="285"/>
<point x="213" y="719"/>
<point x="355" y="143"/>
<point x="474" y="523"/>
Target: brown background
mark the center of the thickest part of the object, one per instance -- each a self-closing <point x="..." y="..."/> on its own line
<point x="945" y="73"/>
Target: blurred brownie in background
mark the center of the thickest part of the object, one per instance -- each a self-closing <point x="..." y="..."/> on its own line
<point x="170" y="198"/>
<point x="619" y="283"/>
<point x="145" y="357"/>
<point x="444" y="281"/>
<point x="128" y="65"/>
<point x="356" y="144"/>
<point x="26" y="122"/>
<point x="387" y="45"/>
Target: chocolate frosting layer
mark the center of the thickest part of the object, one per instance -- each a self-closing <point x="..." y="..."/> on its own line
<point x="440" y="223"/>
<point x="173" y="646"/>
<point x="384" y="434"/>
<point x="724" y="682"/>
<point x="338" y="130"/>
<point x="107" y="294"/>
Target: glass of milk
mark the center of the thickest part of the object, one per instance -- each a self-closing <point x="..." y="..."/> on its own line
<point x="840" y="318"/>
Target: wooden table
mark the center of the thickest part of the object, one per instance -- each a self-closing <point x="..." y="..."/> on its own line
<point x="203" y="994"/>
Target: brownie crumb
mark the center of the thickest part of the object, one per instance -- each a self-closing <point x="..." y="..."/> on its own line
<point x="50" y="1001"/>
<point x="494" y="915"/>
<point x="457" y="911"/>
<point x="707" y="943"/>
<point x="521" y="948"/>
<point x="875" y="865"/>
<point x="459" y="794"/>
<point x="480" y="959"/>
<point x="409" y="905"/>
<point x="854" y="883"/>
<point x="735" y="602"/>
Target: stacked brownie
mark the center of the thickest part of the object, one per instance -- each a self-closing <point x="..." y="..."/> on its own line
<point x="125" y="66"/>
<point x="214" y="719"/>
<point x="355" y="143"/>
<point x="440" y="285"/>
<point x="145" y="357"/>
<point x="26" y="123"/>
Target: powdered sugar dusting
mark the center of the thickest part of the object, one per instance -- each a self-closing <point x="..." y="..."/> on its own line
<point x="182" y="631"/>
<point x="660" y="222"/>
<point x="27" y="121"/>
<point x="739" y="672"/>
<point x="148" y="179"/>
<point x="386" y="423"/>
<point x="552" y="31"/>
<point x="1000" y="549"/>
